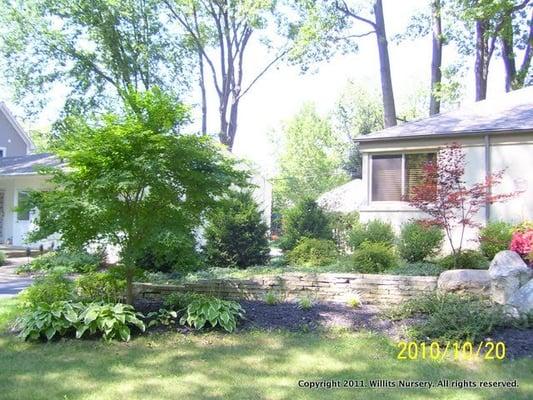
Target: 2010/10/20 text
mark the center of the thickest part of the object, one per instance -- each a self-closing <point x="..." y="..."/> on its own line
<point x="458" y="350"/>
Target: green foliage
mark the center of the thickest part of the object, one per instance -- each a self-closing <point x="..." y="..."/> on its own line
<point x="495" y="237"/>
<point x="418" y="268"/>
<point x="272" y="298"/>
<point x="177" y="301"/>
<point x="451" y="317"/>
<point x="313" y="252"/>
<point x="236" y="235"/>
<point x="66" y="261"/>
<point x="161" y="317"/>
<point x="113" y="321"/>
<point x="3" y="258"/>
<point x="419" y="241"/>
<point x="305" y="220"/>
<point x="214" y="311"/>
<point x="100" y="286"/>
<point x="305" y="303"/>
<point x="48" y="289"/>
<point x="375" y="231"/>
<point x="466" y="259"/>
<point x="132" y="180"/>
<point x="354" y="302"/>
<point x="341" y="225"/>
<point x="49" y="320"/>
<point x="374" y="258"/>
<point x="311" y="161"/>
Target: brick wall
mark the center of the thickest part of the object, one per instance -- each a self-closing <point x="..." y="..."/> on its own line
<point x="373" y="289"/>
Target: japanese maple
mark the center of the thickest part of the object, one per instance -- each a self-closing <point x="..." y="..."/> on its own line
<point x="448" y="200"/>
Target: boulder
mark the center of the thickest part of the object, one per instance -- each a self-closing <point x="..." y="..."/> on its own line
<point x="508" y="273"/>
<point x="473" y="281"/>
<point x="522" y="300"/>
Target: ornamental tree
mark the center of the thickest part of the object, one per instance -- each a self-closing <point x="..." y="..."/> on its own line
<point x="448" y="200"/>
<point x="132" y="180"/>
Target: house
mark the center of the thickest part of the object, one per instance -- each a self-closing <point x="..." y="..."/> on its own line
<point x="496" y="134"/>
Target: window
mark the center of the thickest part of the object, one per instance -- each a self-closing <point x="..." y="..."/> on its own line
<point x="22" y="201"/>
<point x="393" y="176"/>
<point x="2" y="152"/>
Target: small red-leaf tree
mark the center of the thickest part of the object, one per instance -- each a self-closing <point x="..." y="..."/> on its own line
<point x="448" y="200"/>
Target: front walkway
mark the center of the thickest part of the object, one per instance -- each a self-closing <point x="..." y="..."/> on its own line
<point x="11" y="283"/>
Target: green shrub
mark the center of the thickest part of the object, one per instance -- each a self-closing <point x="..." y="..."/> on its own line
<point x="341" y="225"/>
<point x="100" y="286"/>
<point x="3" y="258"/>
<point x="305" y="303"/>
<point x="305" y="220"/>
<point x="495" y="237"/>
<point x="374" y="231"/>
<point x="451" y="317"/>
<point x="354" y="302"/>
<point x="65" y="260"/>
<point x="180" y="301"/>
<point x="373" y="258"/>
<point x="419" y="241"/>
<point x="49" y="320"/>
<point x="313" y="252"/>
<point x="162" y="317"/>
<point x="418" y="269"/>
<point x="213" y="311"/>
<point x="272" y="298"/>
<point x="169" y="252"/>
<point x="48" y="289"/>
<point x="236" y="235"/>
<point x="113" y="321"/>
<point x="466" y="259"/>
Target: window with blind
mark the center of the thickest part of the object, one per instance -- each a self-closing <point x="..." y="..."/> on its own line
<point x="393" y="176"/>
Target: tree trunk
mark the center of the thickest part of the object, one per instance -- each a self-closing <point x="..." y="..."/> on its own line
<point x="203" y="92"/>
<point x="129" y="286"/>
<point x="385" y="70"/>
<point x="481" y="64"/>
<point x="436" y="58"/>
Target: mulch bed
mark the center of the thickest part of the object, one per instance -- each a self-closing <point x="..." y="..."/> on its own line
<point x="289" y="316"/>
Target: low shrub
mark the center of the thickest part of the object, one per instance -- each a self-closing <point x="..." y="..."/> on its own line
<point x="180" y="301"/>
<point x="354" y="301"/>
<point x="313" y="252"/>
<point x="418" y="241"/>
<point x="100" y="286"/>
<point x="522" y="241"/>
<point x="3" y="258"/>
<point x="272" y="298"/>
<point x="375" y="231"/>
<point x="48" y="289"/>
<point x="49" y="320"/>
<point x="341" y="225"/>
<point x="418" y="269"/>
<point x="213" y="311"/>
<point x="466" y="259"/>
<point x="451" y="317"/>
<point x="305" y="303"/>
<point x="65" y="260"/>
<point x="112" y="321"/>
<point x="495" y="237"/>
<point x="373" y="258"/>
<point x="305" y="220"/>
<point x="162" y="317"/>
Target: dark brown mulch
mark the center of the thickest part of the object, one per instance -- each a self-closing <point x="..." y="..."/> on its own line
<point x="289" y="316"/>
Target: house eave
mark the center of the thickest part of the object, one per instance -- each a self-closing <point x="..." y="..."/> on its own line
<point x="459" y="134"/>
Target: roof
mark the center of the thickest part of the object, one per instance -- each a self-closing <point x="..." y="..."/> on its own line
<point x="27" y="165"/>
<point x="18" y="128"/>
<point x="511" y="112"/>
<point x="345" y="198"/>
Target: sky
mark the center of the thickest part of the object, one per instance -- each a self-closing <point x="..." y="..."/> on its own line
<point x="283" y="90"/>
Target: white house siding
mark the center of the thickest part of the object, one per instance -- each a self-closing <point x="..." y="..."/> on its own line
<point x="512" y="153"/>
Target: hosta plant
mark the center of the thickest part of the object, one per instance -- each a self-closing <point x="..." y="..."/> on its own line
<point x="161" y="317"/>
<point x="112" y="320"/>
<point x="49" y="320"/>
<point x="213" y="311"/>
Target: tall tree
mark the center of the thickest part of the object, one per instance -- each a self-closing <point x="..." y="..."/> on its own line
<point x="101" y="50"/>
<point x="311" y="161"/>
<point x="377" y="26"/>
<point x="437" y="40"/>
<point x="220" y="33"/>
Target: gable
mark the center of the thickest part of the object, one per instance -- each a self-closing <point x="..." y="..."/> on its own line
<point x="13" y="140"/>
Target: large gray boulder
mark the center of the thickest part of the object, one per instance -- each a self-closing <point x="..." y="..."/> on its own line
<point x="508" y="273"/>
<point x="522" y="300"/>
<point x="473" y="281"/>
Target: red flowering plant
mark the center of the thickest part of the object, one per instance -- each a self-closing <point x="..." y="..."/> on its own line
<point x="448" y="200"/>
<point x="522" y="242"/>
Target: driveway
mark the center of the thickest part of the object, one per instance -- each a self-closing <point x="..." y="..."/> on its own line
<point x="11" y="283"/>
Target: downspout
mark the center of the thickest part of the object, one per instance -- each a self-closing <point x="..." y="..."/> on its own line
<point x="487" y="175"/>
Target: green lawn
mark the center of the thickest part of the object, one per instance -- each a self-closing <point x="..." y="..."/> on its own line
<point x="254" y="365"/>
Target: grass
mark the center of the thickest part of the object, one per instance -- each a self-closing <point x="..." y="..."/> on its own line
<point x="252" y="365"/>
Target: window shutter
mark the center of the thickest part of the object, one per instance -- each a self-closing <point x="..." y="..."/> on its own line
<point x="387" y="178"/>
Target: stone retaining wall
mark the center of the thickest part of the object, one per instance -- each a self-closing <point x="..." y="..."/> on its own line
<point x="338" y="287"/>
